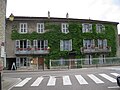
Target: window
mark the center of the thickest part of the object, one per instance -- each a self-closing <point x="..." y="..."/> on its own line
<point x="100" y="28"/>
<point x="40" y="44"/>
<point x="23" y="44"/>
<point x="22" y="61"/>
<point x="88" y="60"/>
<point x="102" y="43"/>
<point x="88" y="43"/>
<point x="23" y="28"/>
<point x="40" y="27"/>
<point x="86" y="27"/>
<point x="17" y="43"/>
<point x="65" y="45"/>
<point x="65" y="28"/>
<point x="102" y="59"/>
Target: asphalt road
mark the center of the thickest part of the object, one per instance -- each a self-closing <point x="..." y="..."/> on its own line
<point x="78" y="79"/>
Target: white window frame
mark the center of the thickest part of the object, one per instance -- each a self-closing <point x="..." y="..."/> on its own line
<point x="64" y="28"/>
<point x="40" y="28"/>
<point x="17" y="43"/>
<point x="35" y="43"/>
<point x="24" y="59"/>
<point x="86" y="27"/>
<point x="28" y="44"/>
<point x="66" y="44"/>
<point x="88" y="43"/>
<point x="100" y="28"/>
<point x="23" y="28"/>
<point x="89" y="59"/>
<point x="102" y="43"/>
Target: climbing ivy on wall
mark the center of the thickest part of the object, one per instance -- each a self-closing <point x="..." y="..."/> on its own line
<point x="53" y="35"/>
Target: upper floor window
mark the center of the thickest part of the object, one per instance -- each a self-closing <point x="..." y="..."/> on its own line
<point x="40" y="27"/>
<point x="40" y="44"/>
<point x="86" y="27"/>
<point x="23" y="28"/>
<point x="64" y="28"/>
<point x="100" y="28"/>
<point x="88" y="43"/>
<point x="23" y="44"/>
<point x="65" y="45"/>
<point x="102" y="43"/>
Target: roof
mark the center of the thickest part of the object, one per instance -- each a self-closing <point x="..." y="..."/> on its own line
<point x="61" y="19"/>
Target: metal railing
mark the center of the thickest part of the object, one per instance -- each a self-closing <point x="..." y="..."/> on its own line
<point x="83" y="63"/>
<point x="95" y="49"/>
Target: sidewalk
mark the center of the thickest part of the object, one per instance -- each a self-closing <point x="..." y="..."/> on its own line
<point x="8" y="83"/>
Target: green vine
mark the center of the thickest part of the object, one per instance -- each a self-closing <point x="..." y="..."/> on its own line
<point x="53" y="35"/>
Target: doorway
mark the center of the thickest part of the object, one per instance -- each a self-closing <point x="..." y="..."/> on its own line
<point x="40" y="63"/>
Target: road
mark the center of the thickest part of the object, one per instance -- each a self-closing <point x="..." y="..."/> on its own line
<point x="78" y="79"/>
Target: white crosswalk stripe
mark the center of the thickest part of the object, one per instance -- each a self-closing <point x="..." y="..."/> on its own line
<point x="66" y="80"/>
<point x="23" y="82"/>
<point x="51" y="81"/>
<point x="95" y="79"/>
<point x="115" y="74"/>
<point x="37" y="81"/>
<point x="80" y="79"/>
<point x="108" y="78"/>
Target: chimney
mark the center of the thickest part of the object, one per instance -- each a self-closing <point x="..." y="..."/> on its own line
<point x="48" y="15"/>
<point x="67" y="15"/>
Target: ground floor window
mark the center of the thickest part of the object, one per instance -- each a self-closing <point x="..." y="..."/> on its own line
<point x="22" y="61"/>
<point x="88" y="59"/>
<point x="102" y="59"/>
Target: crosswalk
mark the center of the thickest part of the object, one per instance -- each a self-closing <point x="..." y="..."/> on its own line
<point x="67" y="79"/>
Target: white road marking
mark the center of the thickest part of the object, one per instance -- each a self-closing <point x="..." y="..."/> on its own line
<point x="95" y="79"/>
<point x="66" y="80"/>
<point x="115" y="74"/>
<point x="22" y="83"/>
<point x="108" y="78"/>
<point x="80" y="79"/>
<point x="114" y="87"/>
<point x="19" y="80"/>
<point x="51" y="81"/>
<point x="37" y="81"/>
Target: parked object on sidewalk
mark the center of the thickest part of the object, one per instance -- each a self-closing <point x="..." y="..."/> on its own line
<point x="118" y="80"/>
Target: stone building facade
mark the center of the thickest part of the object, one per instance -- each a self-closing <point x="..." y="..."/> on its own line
<point x="2" y="31"/>
<point x="32" y="41"/>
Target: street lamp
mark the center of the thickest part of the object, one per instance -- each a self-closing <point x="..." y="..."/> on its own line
<point x="11" y="17"/>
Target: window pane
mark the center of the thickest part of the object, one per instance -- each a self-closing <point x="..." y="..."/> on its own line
<point x="23" y="27"/>
<point x="66" y="45"/>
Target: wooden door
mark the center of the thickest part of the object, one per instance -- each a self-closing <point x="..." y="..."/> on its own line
<point x="40" y="63"/>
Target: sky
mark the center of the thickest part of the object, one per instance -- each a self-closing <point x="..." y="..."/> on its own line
<point x="106" y="10"/>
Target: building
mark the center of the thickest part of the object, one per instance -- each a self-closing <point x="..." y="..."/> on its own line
<point x="2" y="32"/>
<point x="119" y="39"/>
<point x="33" y="41"/>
